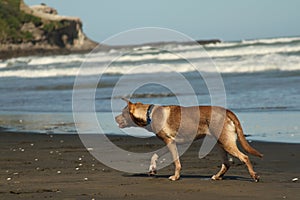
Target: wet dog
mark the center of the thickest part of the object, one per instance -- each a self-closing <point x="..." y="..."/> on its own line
<point x="176" y="124"/>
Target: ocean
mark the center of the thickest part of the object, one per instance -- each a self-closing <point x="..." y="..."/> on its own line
<point x="260" y="79"/>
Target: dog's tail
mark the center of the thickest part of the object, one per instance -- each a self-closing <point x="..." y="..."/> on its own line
<point x="241" y="136"/>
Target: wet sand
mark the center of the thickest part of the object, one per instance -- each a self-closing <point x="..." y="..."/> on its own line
<point x="36" y="166"/>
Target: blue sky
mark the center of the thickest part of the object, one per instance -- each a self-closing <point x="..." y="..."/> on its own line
<point x="223" y="19"/>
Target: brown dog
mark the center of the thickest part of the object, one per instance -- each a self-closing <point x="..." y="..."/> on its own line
<point x="176" y="124"/>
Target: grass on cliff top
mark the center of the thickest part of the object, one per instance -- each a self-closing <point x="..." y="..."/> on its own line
<point x="11" y="21"/>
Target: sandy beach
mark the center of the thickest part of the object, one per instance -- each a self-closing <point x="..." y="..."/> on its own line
<point x="61" y="76"/>
<point x="40" y="166"/>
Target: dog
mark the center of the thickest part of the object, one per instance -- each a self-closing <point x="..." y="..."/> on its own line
<point x="176" y="124"/>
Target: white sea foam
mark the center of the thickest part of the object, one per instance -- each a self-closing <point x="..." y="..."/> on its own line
<point x="253" y="51"/>
<point x="3" y="65"/>
<point x="272" y="40"/>
<point x="55" y="59"/>
<point x="223" y="67"/>
<point x="242" y="58"/>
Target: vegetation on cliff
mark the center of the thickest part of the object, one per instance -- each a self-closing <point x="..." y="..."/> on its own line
<point x="38" y="29"/>
<point x="12" y="20"/>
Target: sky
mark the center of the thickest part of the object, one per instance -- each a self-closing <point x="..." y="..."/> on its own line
<point x="228" y="20"/>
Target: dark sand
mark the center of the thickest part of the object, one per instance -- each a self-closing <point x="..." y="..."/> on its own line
<point x="36" y="166"/>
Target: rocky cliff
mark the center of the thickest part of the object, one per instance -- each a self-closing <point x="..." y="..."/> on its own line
<point x="39" y="30"/>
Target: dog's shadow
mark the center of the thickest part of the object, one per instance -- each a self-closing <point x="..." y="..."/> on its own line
<point x="205" y="178"/>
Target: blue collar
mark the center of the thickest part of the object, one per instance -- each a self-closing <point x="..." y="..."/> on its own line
<point x="149" y="113"/>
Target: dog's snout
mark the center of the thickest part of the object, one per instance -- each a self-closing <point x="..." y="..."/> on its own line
<point x="120" y="121"/>
<point x="118" y="118"/>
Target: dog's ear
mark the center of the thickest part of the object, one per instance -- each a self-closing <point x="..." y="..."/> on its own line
<point x="124" y="99"/>
<point x="127" y="101"/>
<point x="130" y="105"/>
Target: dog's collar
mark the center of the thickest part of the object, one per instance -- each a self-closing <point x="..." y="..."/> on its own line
<point x="149" y="110"/>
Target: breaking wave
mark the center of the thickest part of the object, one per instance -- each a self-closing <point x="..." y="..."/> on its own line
<point x="279" y="54"/>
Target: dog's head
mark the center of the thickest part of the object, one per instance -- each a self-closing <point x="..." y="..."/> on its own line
<point x="133" y="115"/>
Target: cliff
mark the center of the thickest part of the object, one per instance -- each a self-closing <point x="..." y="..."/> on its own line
<point x="39" y="30"/>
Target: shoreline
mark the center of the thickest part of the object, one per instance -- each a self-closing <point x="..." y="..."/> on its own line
<point x="58" y="166"/>
<point x="268" y="126"/>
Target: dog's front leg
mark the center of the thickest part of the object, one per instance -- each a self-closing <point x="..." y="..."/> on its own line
<point x="154" y="159"/>
<point x="152" y="167"/>
<point x="173" y="149"/>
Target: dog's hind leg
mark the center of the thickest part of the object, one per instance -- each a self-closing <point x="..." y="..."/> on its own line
<point x="225" y="165"/>
<point x="233" y="150"/>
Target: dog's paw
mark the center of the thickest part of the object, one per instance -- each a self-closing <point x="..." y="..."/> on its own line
<point x="152" y="170"/>
<point x="216" y="178"/>
<point x="256" y="177"/>
<point x="174" y="178"/>
<point x="152" y="173"/>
